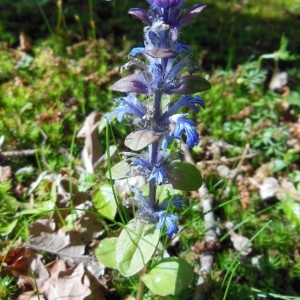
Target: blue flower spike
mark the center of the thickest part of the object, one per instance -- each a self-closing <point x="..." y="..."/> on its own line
<point x="164" y="82"/>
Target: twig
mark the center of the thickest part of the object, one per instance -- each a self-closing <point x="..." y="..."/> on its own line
<point x="45" y="137"/>
<point x="186" y="153"/>
<point x="229" y="159"/>
<point x="236" y="170"/>
<point x="18" y="153"/>
<point x="239" y="165"/>
<point x="206" y="257"/>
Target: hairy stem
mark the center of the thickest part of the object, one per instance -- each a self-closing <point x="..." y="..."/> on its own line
<point x="157" y="107"/>
<point x="154" y="147"/>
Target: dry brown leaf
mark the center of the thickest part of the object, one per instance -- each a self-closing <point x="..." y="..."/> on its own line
<point x="42" y="225"/>
<point x="91" y="151"/>
<point x="55" y="267"/>
<point x="68" y="245"/>
<point x="294" y="130"/>
<point x="62" y="282"/>
<point x="245" y="198"/>
<point x="17" y="260"/>
<point x="5" y="173"/>
<point x="25" y="42"/>
<point x="224" y="171"/>
<point x="30" y="295"/>
<point x="261" y="173"/>
<point x="89" y="227"/>
<point x="69" y="284"/>
<point x="271" y="187"/>
<point x="36" y="273"/>
<point x="95" y="286"/>
<point x="278" y="81"/>
<point x="288" y="190"/>
<point x="243" y="114"/>
<point x="25" y="264"/>
<point x="240" y="243"/>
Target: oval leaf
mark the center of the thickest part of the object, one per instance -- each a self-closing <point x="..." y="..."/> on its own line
<point x="169" y="277"/>
<point x="183" y="176"/>
<point x="105" y="202"/>
<point x="119" y="171"/>
<point x="189" y="85"/>
<point x="106" y="252"/>
<point x="135" y="247"/>
<point x="140" y="139"/>
<point x="141" y="14"/>
<point x="86" y="181"/>
<point x="134" y="83"/>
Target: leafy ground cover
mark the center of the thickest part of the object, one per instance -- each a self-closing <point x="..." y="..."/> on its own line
<point x="54" y="92"/>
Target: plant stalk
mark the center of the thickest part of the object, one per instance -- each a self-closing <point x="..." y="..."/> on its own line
<point x="141" y="286"/>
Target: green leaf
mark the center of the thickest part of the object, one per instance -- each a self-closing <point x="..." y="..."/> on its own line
<point x="7" y="228"/>
<point x="106" y="252"/>
<point x="292" y="211"/>
<point x="183" y="176"/>
<point x="189" y="85"/>
<point x="105" y="202"/>
<point x="165" y="192"/>
<point x="135" y="247"/>
<point x="119" y="171"/>
<point x="293" y="98"/>
<point x="140" y="139"/>
<point x="39" y="207"/>
<point x="24" y="61"/>
<point x="86" y="181"/>
<point x="169" y="277"/>
<point x="9" y="204"/>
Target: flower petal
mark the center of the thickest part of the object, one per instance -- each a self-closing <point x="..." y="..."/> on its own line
<point x="184" y="124"/>
<point x="183" y="101"/>
<point x="137" y="50"/>
<point x="168" y="221"/>
<point x="158" y="174"/>
<point x="176" y="200"/>
<point x="129" y="105"/>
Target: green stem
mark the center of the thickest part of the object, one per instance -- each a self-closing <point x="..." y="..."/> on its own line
<point x="141" y="286"/>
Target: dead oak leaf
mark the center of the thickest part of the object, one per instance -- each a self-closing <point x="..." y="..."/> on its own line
<point x="67" y="284"/>
<point x="68" y="245"/>
<point x="30" y="295"/>
<point x="18" y="260"/>
<point x="273" y="188"/>
<point x="240" y="243"/>
<point x="24" y="263"/>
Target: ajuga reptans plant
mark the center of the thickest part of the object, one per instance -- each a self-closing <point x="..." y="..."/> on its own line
<point x="164" y="81"/>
